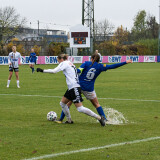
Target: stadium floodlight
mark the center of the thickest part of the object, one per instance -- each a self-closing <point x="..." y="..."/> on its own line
<point x="159" y="32"/>
<point x="88" y="18"/>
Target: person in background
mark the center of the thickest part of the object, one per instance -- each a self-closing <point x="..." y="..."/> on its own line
<point x="32" y="60"/>
<point x="13" y="60"/>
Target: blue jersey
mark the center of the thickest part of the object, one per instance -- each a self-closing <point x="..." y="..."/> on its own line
<point x="90" y="73"/>
<point x="32" y="57"/>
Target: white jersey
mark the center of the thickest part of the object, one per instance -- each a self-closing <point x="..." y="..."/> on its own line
<point x="69" y="71"/>
<point x="13" y="59"/>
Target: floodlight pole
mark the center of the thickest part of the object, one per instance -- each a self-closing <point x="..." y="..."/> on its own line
<point x="159" y="32"/>
<point x="88" y="19"/>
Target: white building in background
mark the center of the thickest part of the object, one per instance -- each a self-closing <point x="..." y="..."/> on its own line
<point x="28" y="34"/>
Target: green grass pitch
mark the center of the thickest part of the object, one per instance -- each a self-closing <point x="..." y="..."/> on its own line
<point x="25" y="132"/>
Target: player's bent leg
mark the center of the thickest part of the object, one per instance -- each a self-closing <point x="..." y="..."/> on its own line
<point x="69" y="104"/>
<point x="98" y="107"/>
<point x="65" y="100"/>
<point x="93" y="98"/>
<point x="95" y="102"/>
<point x="62" y="113"/>
<point x="91" y="113"/>
<point x="87" y="111"/>
<point x="65" y="108"/>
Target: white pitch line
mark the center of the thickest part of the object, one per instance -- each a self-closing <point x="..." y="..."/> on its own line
<point x="46" y="96"/>
<point x="92" y="149"/>
<point x="132" y="99"/>
<point x="25" y="95"/>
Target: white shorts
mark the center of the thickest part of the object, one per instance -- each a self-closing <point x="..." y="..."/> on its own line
<point x="32" y="63"/>
<point x="89" y="95"/>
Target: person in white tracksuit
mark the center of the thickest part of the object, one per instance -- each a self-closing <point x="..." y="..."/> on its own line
<point x="14" y="60"/>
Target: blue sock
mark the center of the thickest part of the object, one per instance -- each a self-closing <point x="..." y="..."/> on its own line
<point x="32" y="70"/>
<point x="101" y="112"/>
<point x="62" y="116"/>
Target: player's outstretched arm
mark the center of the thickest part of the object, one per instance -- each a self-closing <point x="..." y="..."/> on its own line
<point x="55" y="70"/>
<point x="113" y="66"/>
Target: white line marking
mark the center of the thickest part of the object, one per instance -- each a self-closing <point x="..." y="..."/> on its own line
<point x="46" y="96"/>
<point x="92" y="149"/>
<point x="132" y="99"/>
<point x="25" y="95"/>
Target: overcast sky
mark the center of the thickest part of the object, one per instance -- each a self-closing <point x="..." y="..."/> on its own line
<point x="66" y="13"/>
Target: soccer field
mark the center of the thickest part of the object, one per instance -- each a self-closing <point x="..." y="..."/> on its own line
<point x="25" y="133"/>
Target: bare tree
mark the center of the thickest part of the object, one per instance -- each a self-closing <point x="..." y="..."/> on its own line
<point x="107" y="27"/>
<point x="10" y="23"/>
<point x="103" y="28"/>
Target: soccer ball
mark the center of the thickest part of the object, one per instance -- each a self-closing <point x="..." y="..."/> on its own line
<point x="51" y="116"/>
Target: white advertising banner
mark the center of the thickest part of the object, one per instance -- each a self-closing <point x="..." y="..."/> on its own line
<point x="149" y="59"/>
<point x="82" y="59"/>
<point x="75" y="59"/>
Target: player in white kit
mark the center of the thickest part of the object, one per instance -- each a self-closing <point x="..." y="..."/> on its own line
<point x="73" y="92"/>
<point x="13" y="60"/>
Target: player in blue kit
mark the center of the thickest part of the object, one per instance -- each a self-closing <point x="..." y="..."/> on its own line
<point x="32" y="60"/>
<point x="90" y="70"/>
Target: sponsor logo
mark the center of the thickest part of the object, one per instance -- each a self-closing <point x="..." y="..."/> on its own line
<point x="14" y="60"/>
<point x="75" y="59"/>
<point x="114" y="59"/>
<point x="133" y="58"/>
<point x="51" y="60"/>
<point x="25" y="59"/>
<point x="149" y="58"/>
<point x="3" y="60"/>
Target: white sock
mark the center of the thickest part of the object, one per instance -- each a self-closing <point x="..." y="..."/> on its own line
<point x="8" y="82"/>
<point x="66" y="110"/>
<point x="17" y="82"/>
<point x="88" y="112"/>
